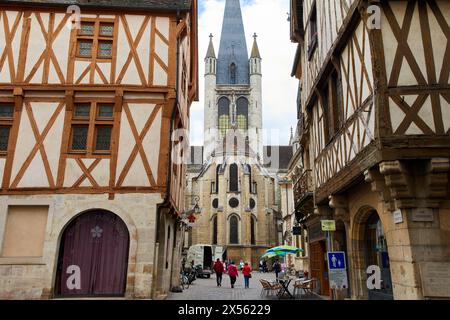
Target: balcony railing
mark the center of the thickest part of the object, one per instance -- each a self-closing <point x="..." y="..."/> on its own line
<point x="303" y="186"/>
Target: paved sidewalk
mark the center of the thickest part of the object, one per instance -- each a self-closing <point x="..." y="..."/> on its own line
<point x="206" y="289"/>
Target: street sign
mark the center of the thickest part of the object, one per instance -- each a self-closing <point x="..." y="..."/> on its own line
<point x="337" y="267"/>
<point x="336" y="260"/>
<point x="328" y="225"/>
<point x="398" y="216"/>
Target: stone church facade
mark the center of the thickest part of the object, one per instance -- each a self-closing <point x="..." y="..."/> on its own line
<point x="234" y="177"/>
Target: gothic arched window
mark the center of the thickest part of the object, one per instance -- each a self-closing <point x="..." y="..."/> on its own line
<point x="242" y="114"/>
<point x="249" y="172"/>
<point x="253" y="231"/>
<point x="214" y="230"/>
<point x="224" y="115"/>
<point x="217" y="178"/>
<point x="234" y="230"/>
<point x="233" y="73"/>
<point x="234" y="184"/>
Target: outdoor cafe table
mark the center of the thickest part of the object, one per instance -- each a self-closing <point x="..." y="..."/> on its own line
<point x="285" y="288"/>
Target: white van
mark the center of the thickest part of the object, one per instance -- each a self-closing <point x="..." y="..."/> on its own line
<point x="204" y="255"/>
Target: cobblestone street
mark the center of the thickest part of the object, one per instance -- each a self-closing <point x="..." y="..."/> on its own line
<point x="206" y="289"/>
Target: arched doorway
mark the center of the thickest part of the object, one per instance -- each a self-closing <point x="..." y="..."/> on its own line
<point x="93" y="256"/>
<point x="372" y="250"/>
<point x="377" y="254"/>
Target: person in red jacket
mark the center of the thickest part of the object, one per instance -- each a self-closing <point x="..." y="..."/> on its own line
<point x="233" y="273"/>
<point x="218" y="269"/>
<point x="247" y="272"/>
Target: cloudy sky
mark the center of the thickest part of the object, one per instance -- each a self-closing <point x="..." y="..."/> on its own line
<point x="268" y="18"/>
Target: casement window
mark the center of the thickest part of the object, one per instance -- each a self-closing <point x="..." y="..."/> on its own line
<point x="313" y="36"/>
<point x="6" y="122"/>
<point x="95" y="40"/>
<point x="332" y="106"/>
<point x="92" y="126"/>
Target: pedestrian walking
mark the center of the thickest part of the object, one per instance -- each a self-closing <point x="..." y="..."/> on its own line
<point x="247" y="272"/>
<point x="233" y="273"/>
<point x="277" y="268"/>
<point x="218" y="269"/>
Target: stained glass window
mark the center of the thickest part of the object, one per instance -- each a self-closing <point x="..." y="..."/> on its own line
<point x="87" y="29"/>
<point x="103" y="138"/>
<point x="241" y="122"/>
<point x="4" y="138"/>
<point x="79" y="138"/>
<point x="224" y="124"/>
<point x="242" y="114"/>
<point x="105" y="49"/>
<point x="85" y="48"/>
<point x="106" y="30"/>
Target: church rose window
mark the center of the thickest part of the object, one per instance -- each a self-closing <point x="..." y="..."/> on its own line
<point x="234" y="203"/>
<point x="252" y="204"/>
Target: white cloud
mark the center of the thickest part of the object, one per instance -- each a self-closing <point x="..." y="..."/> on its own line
<point x="268" y="18"/>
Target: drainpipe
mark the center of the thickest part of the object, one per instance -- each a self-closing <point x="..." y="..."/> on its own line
<point x="166" y="204"/>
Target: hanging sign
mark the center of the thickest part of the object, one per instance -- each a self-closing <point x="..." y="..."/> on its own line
<point x="328" y="225"/>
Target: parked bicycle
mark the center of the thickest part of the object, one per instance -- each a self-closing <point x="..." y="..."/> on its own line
<point x="184" y="281"/>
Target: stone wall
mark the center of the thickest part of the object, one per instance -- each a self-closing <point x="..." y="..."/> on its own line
<point x="34" y="278"/>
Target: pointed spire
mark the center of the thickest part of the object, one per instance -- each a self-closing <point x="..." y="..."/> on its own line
<point x="211" y="53"/>
<point x="255" y="49"/>
<point x="233" y="62"/>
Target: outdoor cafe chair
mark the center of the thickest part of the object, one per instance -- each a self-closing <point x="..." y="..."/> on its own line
<point x="306" y="286"/>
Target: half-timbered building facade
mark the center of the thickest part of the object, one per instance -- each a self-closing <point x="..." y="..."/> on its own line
<point x="374" y="118"/>
<point x="91" y="190"/>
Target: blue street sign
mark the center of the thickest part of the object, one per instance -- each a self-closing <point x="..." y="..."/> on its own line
<point x="336" y="260"/>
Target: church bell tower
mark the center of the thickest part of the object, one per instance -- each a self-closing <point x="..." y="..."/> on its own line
<point x="233" y="88"/>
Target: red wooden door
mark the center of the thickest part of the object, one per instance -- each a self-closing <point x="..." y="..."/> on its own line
<point x="318" y="266"/>
<point x="97" y="243"/>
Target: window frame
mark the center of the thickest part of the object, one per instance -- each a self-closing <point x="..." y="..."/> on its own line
<point x="7" y="122"/>
<point x="313" y="32"/>
<point x="97" y="38"/>
<point x="93" y="122"/>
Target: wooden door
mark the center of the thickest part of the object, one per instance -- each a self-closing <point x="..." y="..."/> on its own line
<point x="318" y="266"/>
<point x="95" y="245"/>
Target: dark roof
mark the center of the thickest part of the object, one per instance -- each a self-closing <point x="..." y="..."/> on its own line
<point x="165" y="5"/>
<point x="277" y="157"/>
<point x="233" y="46"/>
